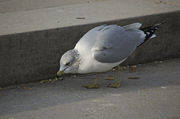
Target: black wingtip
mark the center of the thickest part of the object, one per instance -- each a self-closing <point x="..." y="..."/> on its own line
<point x="150" y="31"/>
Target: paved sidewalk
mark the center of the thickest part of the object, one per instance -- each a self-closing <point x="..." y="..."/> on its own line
<point x="155" y="95"/>
<point x="26" y="5"/>
<point x="17" y="16"/>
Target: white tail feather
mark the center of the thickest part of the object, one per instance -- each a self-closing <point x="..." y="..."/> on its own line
<point x="153" y="36"/>
<point x="133" y="26"/>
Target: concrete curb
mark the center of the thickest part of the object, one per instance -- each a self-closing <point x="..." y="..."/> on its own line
<point x="33" y="56"/>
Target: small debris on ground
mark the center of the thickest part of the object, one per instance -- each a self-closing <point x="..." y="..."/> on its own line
<point x="80" y="17"/>
<point x="1" y="88"/>
<point x="161" y="2"/>
<point x="55" y="79"/>
<point x="44" y="81"/>
<point x="133" y="77"/>
<point x="51" y="80"/>
<point x="159" y="62"/>
<point x="27" y="88"/>
<point x="132" y="68"/>
<point x="124" y="67"/>
<point x="109" y="77"/>
<point x="10" y="118"/>
<point x="163" y="87"/>
<point x="86" y="114"/>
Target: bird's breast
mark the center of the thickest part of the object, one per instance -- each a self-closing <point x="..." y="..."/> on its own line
<point x="90" y="65"/>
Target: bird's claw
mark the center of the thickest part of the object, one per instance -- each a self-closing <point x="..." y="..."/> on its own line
<point x="115" y="85"/>
<point x="93" y="86"/>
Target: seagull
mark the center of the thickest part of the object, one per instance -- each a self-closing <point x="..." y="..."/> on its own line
<point x="103" y="48"/>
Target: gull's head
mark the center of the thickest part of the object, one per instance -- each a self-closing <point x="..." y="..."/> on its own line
<point x="68" y="62"/>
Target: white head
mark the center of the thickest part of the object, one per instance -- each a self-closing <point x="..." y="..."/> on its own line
<point x="69" y="62"/>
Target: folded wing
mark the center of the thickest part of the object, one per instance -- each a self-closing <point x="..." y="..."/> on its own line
<point x="116" y="43"/>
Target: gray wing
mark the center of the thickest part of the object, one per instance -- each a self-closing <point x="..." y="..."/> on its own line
<point x="116" y="43"/>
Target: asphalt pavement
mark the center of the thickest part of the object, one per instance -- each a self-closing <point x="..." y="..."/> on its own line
<point x="151" y="91"/>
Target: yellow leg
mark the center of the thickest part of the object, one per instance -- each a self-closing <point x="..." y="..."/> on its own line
<point x="95" y="85"/>
<point x="117" y="84"/>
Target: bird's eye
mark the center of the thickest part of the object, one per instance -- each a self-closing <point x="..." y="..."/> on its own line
<point x="67" y="64"/>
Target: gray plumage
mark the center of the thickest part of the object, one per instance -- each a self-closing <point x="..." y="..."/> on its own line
<point x="115" y="43"/>
<point x="105" y="47"/>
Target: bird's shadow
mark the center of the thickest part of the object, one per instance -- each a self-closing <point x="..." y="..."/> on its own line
<point x="35" y="96"/>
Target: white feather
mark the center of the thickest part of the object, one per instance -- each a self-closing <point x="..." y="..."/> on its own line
<point x="133" y="26"/>
<point x="153" y="36"/>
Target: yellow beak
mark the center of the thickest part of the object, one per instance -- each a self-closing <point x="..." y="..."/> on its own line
<point x="59" y="73"/>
